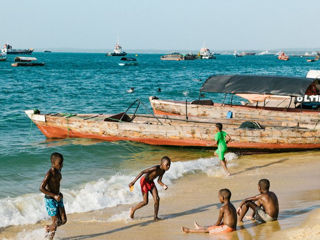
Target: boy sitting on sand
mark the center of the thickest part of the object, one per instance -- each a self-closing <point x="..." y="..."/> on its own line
<point x="227" y="220"/>
<point x="50" y="186"/>
<point x="222" y="139"/>
<point x="147" y="185"/>
<point x="266" y="208"/>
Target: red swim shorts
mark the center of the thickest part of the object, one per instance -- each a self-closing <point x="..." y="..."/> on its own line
<point x="145" y="185"/>
<point x="220" y="229"/>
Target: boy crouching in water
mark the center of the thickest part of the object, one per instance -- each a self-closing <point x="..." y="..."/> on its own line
<point x="227" y="220"/>
<point x="265" y="205"/>
<point x="147" y="185"/>
<point x="50" y="186"/>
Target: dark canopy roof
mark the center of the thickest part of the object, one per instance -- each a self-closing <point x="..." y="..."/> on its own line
<point x="273" y="85"/>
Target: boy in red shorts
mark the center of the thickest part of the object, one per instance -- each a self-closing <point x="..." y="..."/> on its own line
<point x="147" y="185"/>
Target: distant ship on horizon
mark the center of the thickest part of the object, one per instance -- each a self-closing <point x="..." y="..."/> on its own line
<point x="9" y="50"/>
<point x="117" y="51"/>
<point x="205" y="53"/>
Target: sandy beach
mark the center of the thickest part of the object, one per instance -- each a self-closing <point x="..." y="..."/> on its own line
<point x="294" y="178"/>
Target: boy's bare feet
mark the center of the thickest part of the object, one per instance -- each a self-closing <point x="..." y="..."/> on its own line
<point x="131" y="213"/>
<point x="47" y="228"/>
<point x="196" y="225"/>
<point x="157" y="219"/>
<point x="185" y="229"/>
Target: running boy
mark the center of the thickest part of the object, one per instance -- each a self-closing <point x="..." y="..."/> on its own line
<point x="50" y="186"/>
<point x="227" y="220"/>
<point x="147" y="185"/>
<point x="222" y="139"/>
<point x="266" y="208"/>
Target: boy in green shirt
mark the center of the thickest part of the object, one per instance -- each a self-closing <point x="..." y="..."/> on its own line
<point x="222" y="139"/>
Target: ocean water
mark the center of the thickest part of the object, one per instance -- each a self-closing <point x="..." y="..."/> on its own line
<point x="98" y="172"/>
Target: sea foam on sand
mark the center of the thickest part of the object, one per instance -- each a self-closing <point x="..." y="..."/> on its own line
<point x="103" y="193"/>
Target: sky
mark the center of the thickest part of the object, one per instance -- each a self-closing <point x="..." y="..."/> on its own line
<point x="160" y="24"/>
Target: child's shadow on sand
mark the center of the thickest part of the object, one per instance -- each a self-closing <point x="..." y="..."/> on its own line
<point x="261" y="166"/>
<point x="243" y="231"/>
<point x="146" y="223"/>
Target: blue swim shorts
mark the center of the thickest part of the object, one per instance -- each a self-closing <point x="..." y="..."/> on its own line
<point x="52" y="206"/>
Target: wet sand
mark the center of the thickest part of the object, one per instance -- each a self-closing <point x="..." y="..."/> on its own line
<point x="294" y="178"/>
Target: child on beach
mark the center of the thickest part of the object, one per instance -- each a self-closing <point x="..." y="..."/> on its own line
<point x="222" y="139"/>
<point x="266" y="208"/>
<point x="147" y="185"/>
<point x="227" y="220"/>
<point x="50" y="186"/>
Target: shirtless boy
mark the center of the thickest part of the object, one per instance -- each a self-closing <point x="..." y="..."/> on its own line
<point x="50" y="186"/>
<point x="147" y="185"/>
<point x="227" y="220"/>
<point x="265" y="206"/>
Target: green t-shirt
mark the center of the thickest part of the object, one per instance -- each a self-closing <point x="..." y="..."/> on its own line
<point x="221" y="138"/>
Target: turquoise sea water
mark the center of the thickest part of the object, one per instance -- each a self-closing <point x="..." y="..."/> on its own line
<point x="94" y="83"/>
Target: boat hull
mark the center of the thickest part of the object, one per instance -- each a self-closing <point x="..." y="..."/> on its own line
<point x="20" y="51"/>
<point x="173" y="132"/>
<point x="294" y="117"/>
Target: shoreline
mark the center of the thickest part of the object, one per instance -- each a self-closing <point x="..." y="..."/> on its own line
<point x="194" y="197"/>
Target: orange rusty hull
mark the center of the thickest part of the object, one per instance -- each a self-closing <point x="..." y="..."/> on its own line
<point x="55" y="132"/>
<point x="174" y="132"/>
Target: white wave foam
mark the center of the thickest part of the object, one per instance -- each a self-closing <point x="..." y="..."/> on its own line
<point x="123" y="216"/>
<point x="37" y="234"/>
<point x="29" y="209"/>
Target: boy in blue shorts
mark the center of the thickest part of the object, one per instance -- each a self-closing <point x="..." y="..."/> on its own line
<point x="222" y="139"/>
<point x="50" y="186"/>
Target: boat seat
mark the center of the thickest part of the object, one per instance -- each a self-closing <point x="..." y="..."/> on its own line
<point x="116" y="118"/>
<point x="202" y="102"/>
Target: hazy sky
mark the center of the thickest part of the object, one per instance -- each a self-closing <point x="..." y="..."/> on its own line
<point x="161" y="24"/>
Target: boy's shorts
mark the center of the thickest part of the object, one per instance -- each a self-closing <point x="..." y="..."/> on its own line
<point x="52" y="206"/>
<point x="220" y="154"/>
<point x="262" y="216"/>
<point x="220" y="229"/>
<point x="146" y="186"/>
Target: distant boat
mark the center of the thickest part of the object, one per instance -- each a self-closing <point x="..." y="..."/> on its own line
<point x="205" y="53"/>
<point x="264" y="53"/>
<point x="236" y="54"/>
<point x="282" y="56"/>
<point x="25" y="59"/>
<point x="9" y="50"/>
<point x="315" y="59"/>
<point x="3" y="57"/>
<point x="172" y="57"/>
<point x="47" y="51"/>
<point x="26" y="62"/>
<point x="117" y="51"/>
<point x="128" y="62"/>
<point x="248" y="53"/>
<point x="190" y="56"/>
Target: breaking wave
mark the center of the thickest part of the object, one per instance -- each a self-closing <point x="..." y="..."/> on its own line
<point x="104" y="193"/>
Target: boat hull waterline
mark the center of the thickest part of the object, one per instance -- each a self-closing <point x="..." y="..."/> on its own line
<point x="170" y="132"/>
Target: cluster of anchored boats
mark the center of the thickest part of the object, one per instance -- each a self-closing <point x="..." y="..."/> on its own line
<point x="272" y="119"/>
<point x="19" y="61"/>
